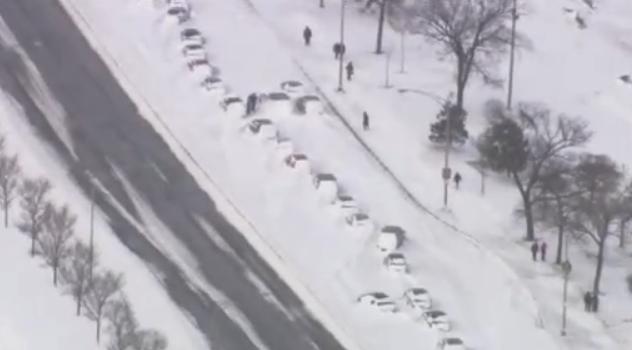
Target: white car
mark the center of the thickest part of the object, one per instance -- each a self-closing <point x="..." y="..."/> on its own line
<point x="213" y="84"/>
<point x="194" y="51"/>
<point x="379" y="301"/>
<point x="358" y="220"/>
<point x="396" y="262"/>
<point x="264" y="128"/>
<point x="450" y="344"/>
<point x="346" y="204"/>
<point x="292" y="87"/>
<point x="192" y="36"/>
<point x="437" y="320"/>
<point x="418" y="298"/>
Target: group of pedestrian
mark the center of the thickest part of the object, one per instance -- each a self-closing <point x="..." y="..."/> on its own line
<point x="538" y="248"/>
<point x="591" y="302"/>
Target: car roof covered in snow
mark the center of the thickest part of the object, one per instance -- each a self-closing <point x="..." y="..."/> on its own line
<point x="325" y="177"/>
<point x="278" y="96"/>
<point x="379" y="295"/>
<point x="453" y="341"/>
<point x="417" y="291"/>
<point x="393" y="229"/>
<point x="360" y="216"/>
<point x="435" y="313"/>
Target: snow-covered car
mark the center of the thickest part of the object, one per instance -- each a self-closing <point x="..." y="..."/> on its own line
<point x="229" y="102"/>
<point x="294" y="159"/>
<point x="322" y="179"/>
<point x="278" y="102"/>
<point x="292" y="87"/>
<point x="179" y="9"/>
<point x="450" y="343"/>
<point x="436" y="319"/>
<point x="263" y="127"/>
<point x="391" y="238"/>
<point x="284" y="146"/>
<point x="194" y="51"/>
<point x="379" y="301"/>
<point x="191" y="36"/>
<point x="200" y="67"/>
<point x="358" y="220"/>
<point x="308" y="104"/>
<point x="396" y="262"/>
<point x="213" y="84"/>
<point x="418" y="298"/>
<point x="346" y="204"/>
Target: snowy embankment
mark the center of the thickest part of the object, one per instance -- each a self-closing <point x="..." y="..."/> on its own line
<point x="489" y="309"/>
<point x="33" y="313"/>
<point x="564" y="68"/>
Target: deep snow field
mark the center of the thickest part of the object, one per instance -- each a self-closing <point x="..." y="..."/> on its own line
<point x="481" y="276"/>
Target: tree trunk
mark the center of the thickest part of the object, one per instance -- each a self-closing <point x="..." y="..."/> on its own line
<point x="600" y="257"/>
<point x="98" y="329"/>
<point x="560" y="243"/>
<point x="55" y="275"/>
<point x="622" y="234"/>
<point x="528" y="216"/>
<point x="79" y="297"/>
<point x="33" y="239"/>
<point x="380" y="27"/>
<point x="6" y="214"/>
<point x="322" y="3"/>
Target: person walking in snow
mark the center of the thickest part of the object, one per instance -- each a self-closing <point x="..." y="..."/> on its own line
<point x="349" y="68"/>
<point x="307" y="35"/>
<point x="534" y="251"/>
<point x="251" y="103"/>
<point x="457" y="180"/>
<point x="594" y="303"/>
<point x="365" y="120"/>
<point x="543" y="251"/>
<point x="337" y="50"/>
<point x="587" y="302"/>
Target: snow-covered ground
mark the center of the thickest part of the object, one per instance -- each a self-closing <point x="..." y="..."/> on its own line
<point x="255" y="49"/>
<point x="36" y="315"/>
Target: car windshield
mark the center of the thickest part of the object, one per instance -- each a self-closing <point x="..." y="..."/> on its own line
<point x="194" y="47"/>
<point x="453" y="341"/>
<point x="190" y="32"/>
<point x="435" y="314"/>
<point x="380" y="295"/>
<point x="418" y="291"/>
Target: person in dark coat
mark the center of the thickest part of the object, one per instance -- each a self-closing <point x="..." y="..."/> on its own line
<point x="307" y="35"/>
<point x="534" y="251"/>
<point x="588" y="301"/>
<point x="349" y="68"/>
<point x="595" y="303"/>
<point x="337" y="49"/>
<point x="251" y="103"/>
<point x="365" y="120"/>
<point x="543" y="251"/>
<point x="457" y="180"/>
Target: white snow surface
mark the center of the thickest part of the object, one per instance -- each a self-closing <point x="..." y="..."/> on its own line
<point x="495" y="297"/>
<point x="36" y="315"/>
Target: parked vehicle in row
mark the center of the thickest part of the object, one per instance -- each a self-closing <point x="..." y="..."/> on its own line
<point x="396" y="262"/>
<point x="378" y="301"/>
<point x="192" y="36"/>
<point x="194" y="51"/>
<point x="346" y="204"/>
<point x="179" y="9"/>
<point x="358" y="220"/>
<point x="418" y="298"/>
<point x="213" y="84"/>
<point x="436" y="319"/>
<point x="263" y="127"/>
<point x="390" y="239"/>
<point x="451" y="343"/>
<point x="294" y="159"/>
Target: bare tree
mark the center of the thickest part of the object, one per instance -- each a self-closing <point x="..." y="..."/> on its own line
<point x="547" y="138"/>
<point x="76" y="272"/>
<point x="628" y="279"/>
<point x="97" y="298"/>
<point x="473" y="32"/>
<point x="594" y="212"/>
<point x="33" y="201"/>
<point x="53" y="242"/>
<point x="122" y="325"/>
<point x="150" y="340"/>
<point x="553" y="196"/>
<point x="9" y="180"/>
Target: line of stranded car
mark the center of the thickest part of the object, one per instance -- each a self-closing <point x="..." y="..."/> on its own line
<point x="293" y="98"/>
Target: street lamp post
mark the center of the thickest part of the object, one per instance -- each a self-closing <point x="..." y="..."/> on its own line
<point x="342" y="45"/>
<point x="514" y="19"/>
<point x="566" y="269"/>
